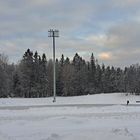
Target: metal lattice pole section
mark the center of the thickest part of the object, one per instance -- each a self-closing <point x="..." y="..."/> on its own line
<point x="53" y="34"/>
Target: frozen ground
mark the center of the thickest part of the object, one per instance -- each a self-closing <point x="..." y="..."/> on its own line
<point x="116" y="98"/>
<point x="114" y="122"/>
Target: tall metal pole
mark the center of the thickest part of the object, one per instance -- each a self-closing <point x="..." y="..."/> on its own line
<point x="53" y="34"/>
<point x="54" y="73"/>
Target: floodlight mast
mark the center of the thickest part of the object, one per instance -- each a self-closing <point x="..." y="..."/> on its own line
<point x="53" y="34"/>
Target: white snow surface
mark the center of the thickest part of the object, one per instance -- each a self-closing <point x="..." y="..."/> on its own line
<point x="112" y="98"/>
<point x="113" y="122"/>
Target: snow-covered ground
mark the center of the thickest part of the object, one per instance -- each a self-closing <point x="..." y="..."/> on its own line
<point x="114" y="122"/>
<point x="115" y="98"/>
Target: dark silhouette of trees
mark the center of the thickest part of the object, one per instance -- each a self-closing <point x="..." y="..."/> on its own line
<point x="33" y="77"/>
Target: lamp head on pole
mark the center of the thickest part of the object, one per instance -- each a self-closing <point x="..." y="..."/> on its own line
<point x="53" y="33"/>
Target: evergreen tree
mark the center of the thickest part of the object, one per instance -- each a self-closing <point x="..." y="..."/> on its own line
<point x="4" y="76"/>
<point x="98" y="78"/>
<point x="27" y="75"/>
<point x="59" y="80"/>
<point x="16" y="85"/>
<point x="50" y="78"/>
<point x="62" y="60"/>
<point x="3" y="82"/>
<point x="43" y="76"/>
<point x="79" y="67"/>
<point x="92" y="72"/>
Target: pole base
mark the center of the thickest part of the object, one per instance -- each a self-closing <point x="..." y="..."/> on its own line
<point x="54" y="100"/>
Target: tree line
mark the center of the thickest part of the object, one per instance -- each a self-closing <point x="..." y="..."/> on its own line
<point x="33" y="77"/>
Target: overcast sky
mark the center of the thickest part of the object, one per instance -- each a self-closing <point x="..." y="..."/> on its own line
<point x="108" y="28"/>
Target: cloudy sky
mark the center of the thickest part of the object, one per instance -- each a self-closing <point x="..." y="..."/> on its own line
<point x="108" y="28"/>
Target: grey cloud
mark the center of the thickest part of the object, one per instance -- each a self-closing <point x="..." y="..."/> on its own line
<point x="37" y="16"/>
<point x="123" y="41"/>
<point x="127" y="34"/>
<point x="25" y="24"/>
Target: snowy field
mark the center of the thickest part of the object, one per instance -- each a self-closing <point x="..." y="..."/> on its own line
<point x="39" y="121"/>
<point x="115" y="98"/>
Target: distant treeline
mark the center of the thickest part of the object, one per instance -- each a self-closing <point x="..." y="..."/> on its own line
<point x="33" y="77"/>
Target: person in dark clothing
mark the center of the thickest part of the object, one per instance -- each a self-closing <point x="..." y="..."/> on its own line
<point x="127" y="102"/>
